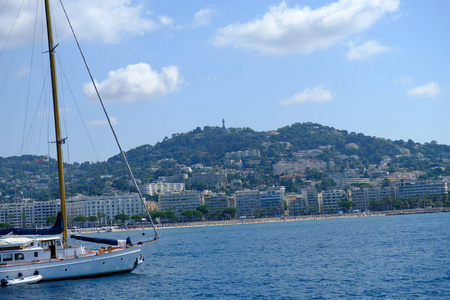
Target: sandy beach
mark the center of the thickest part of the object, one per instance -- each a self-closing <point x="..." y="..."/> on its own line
<point x="263" y="220"/>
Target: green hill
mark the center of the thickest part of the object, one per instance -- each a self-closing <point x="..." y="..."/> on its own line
<point x="208" y="146"/>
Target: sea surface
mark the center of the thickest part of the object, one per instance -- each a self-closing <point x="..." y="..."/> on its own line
<point x="398" y="257"/>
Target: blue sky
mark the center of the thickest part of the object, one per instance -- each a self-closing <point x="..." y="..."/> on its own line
<point x="377" y="67"/>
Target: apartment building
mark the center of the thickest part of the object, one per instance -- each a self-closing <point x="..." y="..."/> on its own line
<point x="216" y="201"/>
<point x="181" y="201"/>
<point x="271" y="200"/>
<point x="363" y="196"/>
<point x="411" y="188"/>
<point x="246" y="202"/>
<point x="110" y="205"/>
<point x="28" y="213"/>
<point x="312" y="200"/>
<point x="331" y="200"/>
<point x="155" y="188"/>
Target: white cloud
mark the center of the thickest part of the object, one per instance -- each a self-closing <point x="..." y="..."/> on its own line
<point x="104" y="122"/>
<point x="109" y="20"/>
<point x="166" y="20"/>
<point x="23" y="71"/>
<point x="203" y="18"/>
<point x="135" y="83"/>
<point x="429" y="90"/>
<point x="405" y="81"/>
<point x="315" y="95"/>
<point x="95" y="20"/>
<point x="285" y="30"/>
<point x="365" y="50"/>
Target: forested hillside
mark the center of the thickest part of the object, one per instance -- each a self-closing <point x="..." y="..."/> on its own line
<point x="208" y="146"/>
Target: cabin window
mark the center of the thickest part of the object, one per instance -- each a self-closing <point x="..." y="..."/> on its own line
<point x="58" y="243"/>
<point x="18" y="256"/>
<point x="44" y="245"/>
<point x="36" y="254"/>
<point x="7" y="257"/>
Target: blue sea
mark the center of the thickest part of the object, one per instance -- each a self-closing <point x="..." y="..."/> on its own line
<point x="398" y="257"/>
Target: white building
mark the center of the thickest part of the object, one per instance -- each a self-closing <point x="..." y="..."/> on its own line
<point x="331" y="200"/>
<point x="268" y="203"/>
<point x="312" y="200"/>
<point x="179" y="202"/>
<point x="28" y="213"/>
<point x="363" y="196"/>
<point x="286" y="167"/>
<point x="246" y="202"/>
<point x="271" y="201"/>
<point x="161" y="188"/>
<point x="110" y="205"/>
<point x="408" y="189"/>
<point x="216" y="201"/>
<point x="243" y="154"/>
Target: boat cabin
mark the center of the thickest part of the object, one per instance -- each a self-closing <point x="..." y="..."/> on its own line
<point x="18" y="250"/>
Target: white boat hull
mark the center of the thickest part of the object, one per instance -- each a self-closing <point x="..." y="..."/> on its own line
<point x="112" y="262"/>
<point x="21" y="280"/>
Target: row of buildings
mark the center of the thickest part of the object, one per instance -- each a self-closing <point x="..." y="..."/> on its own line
<point x="249" y="203"/>
<point x="29" y="213"/>
<point x="329" y="201"/>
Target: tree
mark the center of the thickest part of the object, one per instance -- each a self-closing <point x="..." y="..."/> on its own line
<point x="80" y="219"/>
<point x="5" y="226"/>
<point x="122" y="218"/>
<point x="188" y="214"/>
<point x="137" y="218"/>
<point x="230" y="212"/>
<point x="204" y="209"/>
<point x="171" y="216"/>
<point x="347" y="205"/>
<point x="93" y="219"/>
<point x="197" y="214"/>
<point x="51" y="220"/>
<point x="100" y="216"/>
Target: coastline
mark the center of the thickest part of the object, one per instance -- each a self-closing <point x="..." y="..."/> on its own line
<point x="303" y="218"/>
<point x="266" y="220"/>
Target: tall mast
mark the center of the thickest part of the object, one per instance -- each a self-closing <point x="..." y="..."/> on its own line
<point x="59" y="141"/>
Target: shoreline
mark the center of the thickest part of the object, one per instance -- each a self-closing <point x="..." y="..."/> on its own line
<point x="265" y="220"/>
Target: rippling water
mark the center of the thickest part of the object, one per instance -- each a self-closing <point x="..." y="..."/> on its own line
<point x="399" y="257"/>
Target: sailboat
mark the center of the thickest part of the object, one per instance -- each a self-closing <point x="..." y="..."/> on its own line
<point x="48" y="255"/>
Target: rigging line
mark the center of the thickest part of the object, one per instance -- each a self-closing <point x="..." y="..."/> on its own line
<point x="6" y="3"/>
<point x="12" y="28"/>
<point x="109" y="121"/>
<point x="29" y="79"/>
<point x="79" y="111"/>
<point x="45" y="113"/>
<point x="6" y="42"/>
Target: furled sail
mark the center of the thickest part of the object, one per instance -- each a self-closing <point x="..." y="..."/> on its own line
<point x="121" y="243"/>
<point x="56" y="229"/>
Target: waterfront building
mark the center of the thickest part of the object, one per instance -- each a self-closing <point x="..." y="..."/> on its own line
<point x="246" y="202"/>
<point x="294" y="204"/>
<point x="363" y="196"/>
<point x="28" y="213"/>
<point x="180" y="201"/>
<point x="216" y="201"/>
<point x="331" y="200"/>
<point x="312" y="200"/>
<point x="110" y="205"/>
<point x="271" y="201"/>
<point x="408" y="189"/>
